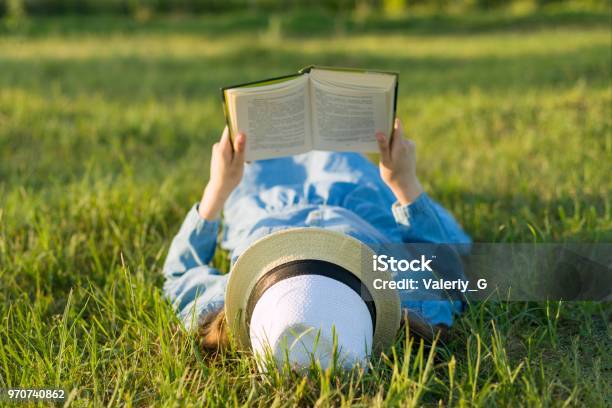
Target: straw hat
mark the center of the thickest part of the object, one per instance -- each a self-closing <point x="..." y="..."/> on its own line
<point x="305" y="285"/>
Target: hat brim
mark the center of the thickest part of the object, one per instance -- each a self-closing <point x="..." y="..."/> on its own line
<point x="308" y="243"/>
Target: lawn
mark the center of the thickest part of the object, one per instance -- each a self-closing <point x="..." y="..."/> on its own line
<point x="105" y="131"/>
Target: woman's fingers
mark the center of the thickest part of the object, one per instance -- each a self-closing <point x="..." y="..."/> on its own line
<point x="225" y="143"/>
<point x="383" y="146"/>
<point x="398" y="135"/>
<point x="387" y="148"/>
<point x="239" y="147"/>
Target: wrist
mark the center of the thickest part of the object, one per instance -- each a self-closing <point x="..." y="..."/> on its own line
<point x="407" y="193"/>
<point x="209" y="212"/>
<point x="211" y="203"/>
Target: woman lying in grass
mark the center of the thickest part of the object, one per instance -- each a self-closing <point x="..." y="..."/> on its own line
<point x="296" y="229"/>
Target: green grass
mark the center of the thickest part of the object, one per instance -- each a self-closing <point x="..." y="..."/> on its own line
<point x="105" y="132"/>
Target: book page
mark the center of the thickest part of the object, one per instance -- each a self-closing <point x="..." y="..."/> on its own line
<point x="355" y="80"/>
<point x="275" y="118"/>
<point x="347" y="120"/>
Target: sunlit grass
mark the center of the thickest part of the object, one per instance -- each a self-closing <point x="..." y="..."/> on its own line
<point x="104" y="145"/>
<point x="188" y="46"/>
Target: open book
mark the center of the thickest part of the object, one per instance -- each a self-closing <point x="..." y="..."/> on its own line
<point x="317" y="109"/>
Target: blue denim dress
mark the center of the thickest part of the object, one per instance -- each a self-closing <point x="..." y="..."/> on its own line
<point x="337" y="191"/>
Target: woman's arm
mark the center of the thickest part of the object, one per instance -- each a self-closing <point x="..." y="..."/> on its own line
<point x="194" y="287"/>
<point x="191" y="284"/>
<point x="226" y="168"/>
<point x="419" y="217"/>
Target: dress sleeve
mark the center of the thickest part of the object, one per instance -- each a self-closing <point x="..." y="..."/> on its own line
<point x="194" y="287"/>
<point x="424" y="220"/>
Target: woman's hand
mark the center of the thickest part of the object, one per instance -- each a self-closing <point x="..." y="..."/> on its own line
<point x="226" y="168"/>
<point x="398" y="165"/>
